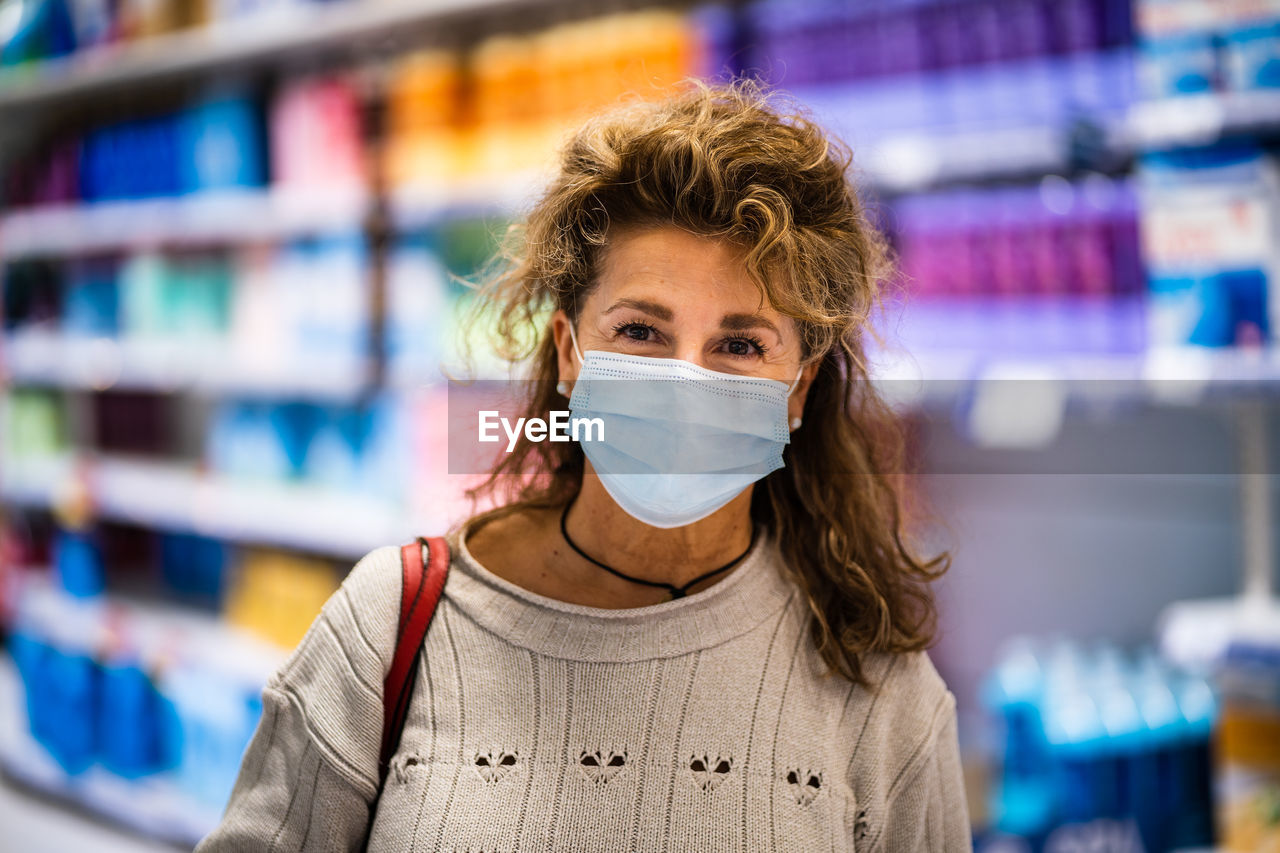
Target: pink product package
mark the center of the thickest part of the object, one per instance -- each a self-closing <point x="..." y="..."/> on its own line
<point x="316" y="134"/>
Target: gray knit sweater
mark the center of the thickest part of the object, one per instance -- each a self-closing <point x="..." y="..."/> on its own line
<point x="702" y="723"/>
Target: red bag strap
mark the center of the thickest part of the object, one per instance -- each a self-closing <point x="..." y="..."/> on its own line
<point x="424" y="564"/>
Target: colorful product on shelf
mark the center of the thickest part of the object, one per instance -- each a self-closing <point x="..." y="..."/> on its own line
<point x="1100" y="749"/>
<point x="925" y="74"/>
<point x="338" y="449"/>
<point x="1209" y="221"/>
<point x="293" y="315"/>
<point x="277" y="595"/>
<point x="316" y="135"/>
<point x="1248" y="746"/>
<point x="1032" y="270"/>
<point x="415" y="325"/>
<point x="36" y="30"/>
<point x="1052" y="240"/>
<point x="140" y="712"/>
<point x="1192" y="47"/>
<point x="303" y="307"/>
<point x="193" y="566"/>
<point x="213" y="145"/>
<point x="77" y="563"/>
<point x="178" y="297"/>
<point x="214" y="717"/>
<point x="808" y="42"/>
<point x="526" y="91"/>
<point x="424" y="118"/>
<point x="34" y="425"/>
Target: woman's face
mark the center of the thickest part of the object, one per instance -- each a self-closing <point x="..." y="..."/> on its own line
<point x="665" y="293"/>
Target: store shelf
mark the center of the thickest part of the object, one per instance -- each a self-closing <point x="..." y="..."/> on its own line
<point x="173" y="497"/>
<point x="499" y="196"/>
<point x="153" y="806"/>
<point x="915" y="161"/>
<point x="277" y="34"/>
<point x="164" y="637"/>
<point x="36" y="357"/>
<point x="1203" y="119"/>
<point x="1181" y="375"/>
<point x="238" y="216"/>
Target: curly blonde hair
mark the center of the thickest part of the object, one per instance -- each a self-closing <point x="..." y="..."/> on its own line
<point x="722" y="162"/>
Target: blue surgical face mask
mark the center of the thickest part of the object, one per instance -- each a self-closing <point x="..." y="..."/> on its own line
<point x="679" y="441"/>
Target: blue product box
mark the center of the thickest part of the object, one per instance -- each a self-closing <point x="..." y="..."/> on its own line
<point x="1251" y="56"/>
<point x="220" y="146"/>
<point x="1185" y="64"/>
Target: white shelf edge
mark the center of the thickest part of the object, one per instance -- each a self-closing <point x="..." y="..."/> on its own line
<point x="181" y="498"/>
<point x="213" y="217"/>
<point x="37" y="357"/>
<point x="1200" y="119"/>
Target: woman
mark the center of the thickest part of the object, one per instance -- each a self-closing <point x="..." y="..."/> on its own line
<point x="701" y="630"/>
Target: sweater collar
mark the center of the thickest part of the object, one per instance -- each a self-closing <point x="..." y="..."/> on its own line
<point x="745" y="597"/>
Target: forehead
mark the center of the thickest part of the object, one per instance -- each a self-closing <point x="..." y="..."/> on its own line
<point x="678" y="265"/>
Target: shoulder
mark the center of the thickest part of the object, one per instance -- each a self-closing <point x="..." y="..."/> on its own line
<point x="334" y="677"/>
<point x="906" y="774"/>
<point x="898" y="716"/>
<point x="358" y="621"/>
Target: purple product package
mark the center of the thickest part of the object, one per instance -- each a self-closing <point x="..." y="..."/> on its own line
<point x="1024" y="26"/>
<point x="1126" y="259"/>
<point x="976" y="210"/>
<point x="59" y="179"/>
<point x="899" y="40"/>
<point x="1087" y="238"/>
<point x="1010" y="262"/>
<point x="932" y="259"/>
<point x="1075" y="25"/>
<point x="1046" y="246"/>
<point x="720" y="50"/>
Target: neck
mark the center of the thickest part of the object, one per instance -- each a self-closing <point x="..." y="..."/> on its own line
<point x="674" y="556"/>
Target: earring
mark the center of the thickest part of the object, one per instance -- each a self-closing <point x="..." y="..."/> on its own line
<point x="795" y="422"/>
<point x="562" y="388"/>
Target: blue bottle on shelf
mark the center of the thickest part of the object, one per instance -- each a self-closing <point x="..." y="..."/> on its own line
<point x="91" y="303"/>
<point x="44" y="30"/>
<point x="1191" y="820"/>
<point x="193" y="566"/>
<point x="77" y="563"/>
<point x="67" y="724"/>
<point x="129" y="722"/>
<point x="220" y="145"/>
<point x="1022" y="804"/>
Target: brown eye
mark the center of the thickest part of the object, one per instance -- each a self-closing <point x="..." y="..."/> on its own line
<point x="743" y="346"/>
<point x="639" y="332"/>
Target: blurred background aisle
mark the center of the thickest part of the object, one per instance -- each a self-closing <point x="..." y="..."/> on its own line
<point x="231" y="233"/>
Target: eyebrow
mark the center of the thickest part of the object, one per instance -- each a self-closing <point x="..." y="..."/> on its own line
<point x="662" y="312"/>
<point x="742" y="322"/>
<point x="730" y="322"/>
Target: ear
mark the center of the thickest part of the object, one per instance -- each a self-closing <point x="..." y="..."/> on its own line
<point x="567" y="359"/>
<point x="795" y="405"/>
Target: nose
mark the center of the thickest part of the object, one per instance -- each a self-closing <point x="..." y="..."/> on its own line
<point x="694" y="356"/>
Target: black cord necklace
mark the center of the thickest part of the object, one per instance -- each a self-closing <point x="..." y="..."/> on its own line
<point x="676" y="591"/>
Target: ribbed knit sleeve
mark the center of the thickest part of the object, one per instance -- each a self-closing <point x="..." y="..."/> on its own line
<point x="310" y="772"/>
<point x="926" y="811"/>
<point x="287" y="796"/>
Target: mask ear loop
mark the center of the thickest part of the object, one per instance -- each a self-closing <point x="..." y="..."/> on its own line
<point x="796" y="421"/>
<point x="799" y="373"/>
<point x="562" y="387"/>
<point x="574" y="336"/>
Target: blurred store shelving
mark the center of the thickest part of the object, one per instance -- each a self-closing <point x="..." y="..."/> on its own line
<point x="229" y="233"/>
